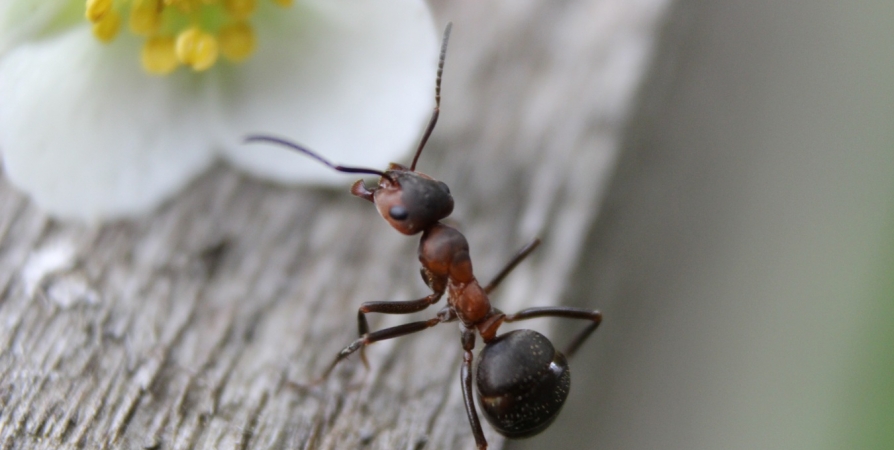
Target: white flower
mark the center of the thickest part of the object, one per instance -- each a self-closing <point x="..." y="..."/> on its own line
<point x="88" y="133"/>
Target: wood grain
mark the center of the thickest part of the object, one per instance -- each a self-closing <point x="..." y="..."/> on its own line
<point x="184" y="328"/>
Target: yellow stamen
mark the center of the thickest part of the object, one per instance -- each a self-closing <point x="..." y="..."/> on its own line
<point x="240" y="9"/>
<point x="159" y="56"/>
<point x="106" y="28"/>
<point x="237" y="41"/>
<point x="145" y="17"/>
<point x="189" y="32"/>
<point x="196" y="49"/>
<point x="96" y="9"/>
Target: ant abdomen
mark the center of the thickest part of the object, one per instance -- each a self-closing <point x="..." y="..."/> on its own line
<point x="523" y="382"/>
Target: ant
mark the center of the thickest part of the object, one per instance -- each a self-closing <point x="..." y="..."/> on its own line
<point x="522" y="380"/>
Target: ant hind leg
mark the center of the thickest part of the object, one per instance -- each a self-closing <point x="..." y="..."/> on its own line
<point x="564" y="312"/>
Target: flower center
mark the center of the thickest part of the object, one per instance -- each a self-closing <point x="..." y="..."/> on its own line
<point x="192" y="33"/>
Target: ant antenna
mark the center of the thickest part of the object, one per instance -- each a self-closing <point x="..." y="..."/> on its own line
<point x="434" y="116"/>
<point x="296" y="147"/>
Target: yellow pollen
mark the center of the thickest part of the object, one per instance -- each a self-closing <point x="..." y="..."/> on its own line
<point x="145" y="17"/>
<point x="196" y="49"/>
<point x="240" y="9"/>
<point x="159" y="56"/>
<point x="106" y="28"/>
<point x="189" y="32"/>
<point x="237" y="41"/>
<point x="96" y="9"/>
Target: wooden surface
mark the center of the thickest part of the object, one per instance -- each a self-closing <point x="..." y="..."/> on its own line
<point x="182" y="329"/>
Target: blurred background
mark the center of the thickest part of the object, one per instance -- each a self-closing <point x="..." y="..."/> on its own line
<point x="744" y="258"/>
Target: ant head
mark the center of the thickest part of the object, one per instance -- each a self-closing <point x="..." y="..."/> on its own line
<point x="409" y="201"/>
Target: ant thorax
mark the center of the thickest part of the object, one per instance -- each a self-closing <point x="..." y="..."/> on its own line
<point x="444" y="253"/>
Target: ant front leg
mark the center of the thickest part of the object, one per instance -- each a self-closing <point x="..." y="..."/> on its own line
<point x="381" y="335"/>
<point x="564" y="312"/>
<point x="468" y="341"/>
<point x="397" y="307"/>
<point x="393" y="307"/>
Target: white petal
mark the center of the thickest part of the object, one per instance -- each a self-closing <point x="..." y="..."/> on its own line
<point x="88" y="135"/>
<point x="22" y="19"/>
<point x="353" y="80"/>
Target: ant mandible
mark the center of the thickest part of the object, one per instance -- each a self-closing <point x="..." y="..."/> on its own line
<point x="522" y="380"/>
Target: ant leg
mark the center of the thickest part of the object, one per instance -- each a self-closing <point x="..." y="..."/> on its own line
<point x="468" y="341"/>
<point x="391" y="307"/>
<point x="380" y="335"/>
<point x="565" y="312"/>
<point x="519" y="257"/>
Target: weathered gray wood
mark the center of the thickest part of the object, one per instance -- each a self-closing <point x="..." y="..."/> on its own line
<point x="183" y="328"/>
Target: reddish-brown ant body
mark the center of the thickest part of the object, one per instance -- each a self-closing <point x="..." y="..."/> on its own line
<point x="522" y="380"/>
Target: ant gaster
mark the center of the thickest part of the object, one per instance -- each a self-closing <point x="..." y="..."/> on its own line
<point x="522" y="380"/>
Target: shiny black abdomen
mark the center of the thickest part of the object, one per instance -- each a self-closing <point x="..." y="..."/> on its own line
<point x="522" y="383"/>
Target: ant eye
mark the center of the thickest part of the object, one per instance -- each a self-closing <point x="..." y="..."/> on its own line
<point x="444" y="186"/>
<point x="398" y="212"/>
